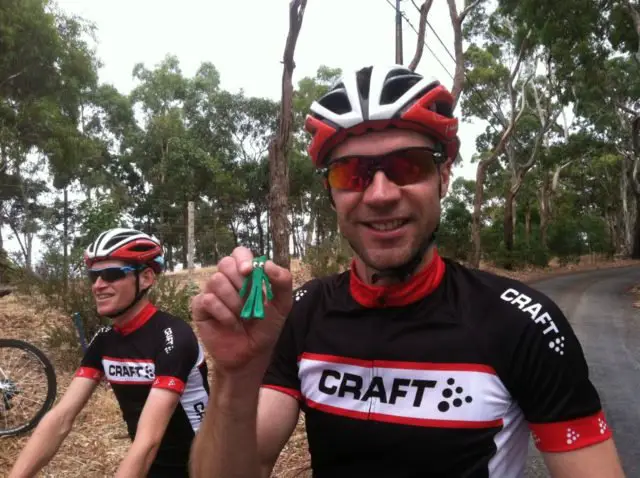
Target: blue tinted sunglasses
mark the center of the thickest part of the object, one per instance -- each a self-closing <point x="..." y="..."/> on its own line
<point x="109" y="274"/>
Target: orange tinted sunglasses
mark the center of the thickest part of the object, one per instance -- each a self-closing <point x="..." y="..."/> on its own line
<point x="403" y="167"/>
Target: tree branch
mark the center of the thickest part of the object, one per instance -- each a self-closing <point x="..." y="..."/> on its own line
<point x="635" y="137"/>
<point x="556" y="175"/>
<point x="11" y="77"/>
<point x="458" y="77"/>
<point x="635" y="16"/>
<point x="467" y="9"/>
<point x="424" y="12"/>
<point x="521" y="53"/>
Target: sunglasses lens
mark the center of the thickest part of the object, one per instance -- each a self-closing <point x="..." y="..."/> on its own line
<point x="93" y="275"/>
<point x="110" y="274"/>
<point x="401" y="167"/>
<point x="350" y="174"/>
<point x="409" y="167"/>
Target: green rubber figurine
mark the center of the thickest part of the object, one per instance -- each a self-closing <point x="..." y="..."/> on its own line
<point x="254" y="305"/>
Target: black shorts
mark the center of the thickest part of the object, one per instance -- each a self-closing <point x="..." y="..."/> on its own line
<point x="157" y="471"/>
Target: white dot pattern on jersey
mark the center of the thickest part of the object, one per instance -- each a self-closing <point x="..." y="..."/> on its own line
<point x="299" y="294"/>
<point x="557" y="345"/>
<point x="603" y="426"/>
<point x="572" y="436"/>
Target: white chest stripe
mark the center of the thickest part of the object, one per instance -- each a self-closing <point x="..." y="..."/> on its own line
<point x="420" y="394"/>
<point x="129" y="371"/>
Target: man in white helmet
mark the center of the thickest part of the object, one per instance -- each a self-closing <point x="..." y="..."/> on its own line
<point x="408" y="364"/>
<point x="151" y="359"/>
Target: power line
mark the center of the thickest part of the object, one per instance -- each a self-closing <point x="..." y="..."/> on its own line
<point x="425" y="43"/>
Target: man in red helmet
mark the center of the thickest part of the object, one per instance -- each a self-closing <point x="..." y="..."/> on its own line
<point x="408" y="364"/>
<point x="151" y="359"/>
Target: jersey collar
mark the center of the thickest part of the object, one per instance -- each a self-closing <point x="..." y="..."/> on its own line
<point x="138" y="321"/>
<point x="396" y="295"/>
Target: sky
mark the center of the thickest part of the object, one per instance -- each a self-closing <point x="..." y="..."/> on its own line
<point x="245" y="41"/>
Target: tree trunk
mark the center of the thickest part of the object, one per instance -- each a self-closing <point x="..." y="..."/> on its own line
<point x="635" y="251"/>
<point x="185" y="236"/>
<point x="527" y="224"/>
<point x="543" y="199"/>
<point x="65" y="241"/>
<point x="476" y="224"/>
<point x="508" y="225"/>
<point x="258" y="213"/>
<point x="626" y="213"/>
<point x="279" y="147"/>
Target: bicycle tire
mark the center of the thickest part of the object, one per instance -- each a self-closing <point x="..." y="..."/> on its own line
<point x="52" y="384"/>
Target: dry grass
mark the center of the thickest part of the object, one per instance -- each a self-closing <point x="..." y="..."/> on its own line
<point x="635" y="292"/>
<point x="99" y="441"/>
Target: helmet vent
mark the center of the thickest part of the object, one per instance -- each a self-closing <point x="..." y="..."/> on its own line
<point x="337" y="100"/>
<point x="115" y="240"/>
<point x="397" y="85"/>
<point x="140" y="247"/>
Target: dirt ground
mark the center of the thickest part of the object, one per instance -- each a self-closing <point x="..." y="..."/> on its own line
<point x="98" y="440"/>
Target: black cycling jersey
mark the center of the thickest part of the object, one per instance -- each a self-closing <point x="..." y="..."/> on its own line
<point x="154" y="350"/>
<point x="442" y="377"/>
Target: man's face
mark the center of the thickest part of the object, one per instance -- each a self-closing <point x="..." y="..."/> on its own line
<point x="113" y="296"/>
<point x="386" y="224"/>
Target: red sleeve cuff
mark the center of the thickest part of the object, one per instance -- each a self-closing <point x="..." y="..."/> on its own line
<point x="170" y="383"/>
<point x="572" y="434"/>
<point x="89" y="372"/>
<point x="289" y="391"/>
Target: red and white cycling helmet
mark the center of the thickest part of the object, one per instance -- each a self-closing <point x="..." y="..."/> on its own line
<point x="379" y="97"/>
<point x="126" y="245"/>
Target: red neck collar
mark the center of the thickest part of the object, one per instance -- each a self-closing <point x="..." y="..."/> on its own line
<point x="396" y="295"/>
<point x="138" y="321"/>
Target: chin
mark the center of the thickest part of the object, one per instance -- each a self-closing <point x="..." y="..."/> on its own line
<point x="386" y="259"/>
<point x="105" y="309"/>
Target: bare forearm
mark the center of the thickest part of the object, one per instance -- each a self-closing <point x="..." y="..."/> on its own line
<point x="138" y="461"/>
<point x="41" y="447"/>
<point x="226" y="444"/>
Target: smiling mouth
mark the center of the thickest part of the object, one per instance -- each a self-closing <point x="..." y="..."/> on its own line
<point x="387" y="225"/>
<point x="103" y="296"/>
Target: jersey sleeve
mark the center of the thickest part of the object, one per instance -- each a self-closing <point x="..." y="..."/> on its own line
<point x="91" y="364"/>
<point x="179" y="354"/>
<point x="282" y="374"/>
<point x="549" y="379"/>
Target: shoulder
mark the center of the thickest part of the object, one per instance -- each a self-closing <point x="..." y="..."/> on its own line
<point x="318" y="291"/>
<point x="513" y="299"/>
<point x="100" y="334"/>
<point x="172" y="329"/>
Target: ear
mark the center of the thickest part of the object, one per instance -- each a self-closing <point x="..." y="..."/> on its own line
<point x="445" y="177"/>
<point x="147" y="278"/>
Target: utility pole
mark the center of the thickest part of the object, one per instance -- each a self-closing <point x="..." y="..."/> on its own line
<point x="190" y="236"/>
<point x="399" y="59"/>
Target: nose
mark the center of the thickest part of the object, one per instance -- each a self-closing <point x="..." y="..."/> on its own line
<point x="98" y="284"/>
<point x="381" y="191"/>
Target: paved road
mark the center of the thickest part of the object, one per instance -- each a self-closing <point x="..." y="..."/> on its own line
<point x="608" y="328"/>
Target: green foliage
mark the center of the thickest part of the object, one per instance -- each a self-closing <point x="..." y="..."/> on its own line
<point x="170" y="293"/>
<point x="329" y="257"/>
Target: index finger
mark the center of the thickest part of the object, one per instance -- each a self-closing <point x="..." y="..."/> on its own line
<point x="244" y="259"/>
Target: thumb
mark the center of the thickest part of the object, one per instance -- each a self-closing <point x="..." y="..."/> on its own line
<point x="280" y="279"/>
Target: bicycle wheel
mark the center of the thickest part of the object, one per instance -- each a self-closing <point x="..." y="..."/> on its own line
<point x="20" y="412"/>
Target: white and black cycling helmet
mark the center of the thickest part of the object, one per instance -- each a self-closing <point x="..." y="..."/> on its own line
<point x="381" y="97"/>
<point x="127" y="245"/>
